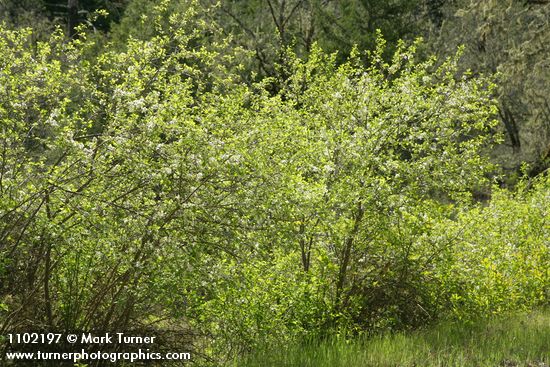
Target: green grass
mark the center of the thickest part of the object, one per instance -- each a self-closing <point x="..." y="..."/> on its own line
<point x="521" y="340"/>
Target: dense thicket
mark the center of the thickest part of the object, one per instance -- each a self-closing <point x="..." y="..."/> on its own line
<point x="154" y="183"/>
<point x="508" y="37"/>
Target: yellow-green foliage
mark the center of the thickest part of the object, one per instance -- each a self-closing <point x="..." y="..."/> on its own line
<point x="152" y="186"/>
<point x="496" y="257"/>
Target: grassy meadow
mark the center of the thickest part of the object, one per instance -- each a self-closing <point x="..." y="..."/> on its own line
<point x="512" y="341"/>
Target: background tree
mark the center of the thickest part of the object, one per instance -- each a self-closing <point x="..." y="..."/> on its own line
<point x="68" y="13"/>
<point x="510" y="38"/>
<point x="268" y="28"/>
